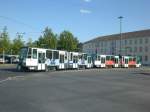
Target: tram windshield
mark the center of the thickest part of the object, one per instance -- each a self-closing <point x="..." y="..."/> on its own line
<point x="23" y="52"/>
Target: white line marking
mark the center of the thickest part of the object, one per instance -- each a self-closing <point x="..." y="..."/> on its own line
<point x="11" y="78"/>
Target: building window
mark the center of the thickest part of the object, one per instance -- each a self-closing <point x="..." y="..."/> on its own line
<point x="101" y="50"/>
<point x="125" y="42"/>
<point x="93" y="45"/>
<point x="146" y="40"/>
<point x="130" y="49"/>
<point x="102" y="44"/>
<point x="146" y="58"/>
<point x="99" y="44"/>
<point x="135" y="49"/>
<point x="146" y="49"/>
<point x="140" y="49"/>
<point x="141" y="41"/>
<point x="130" y="41"/>
<point x="105" y="43"/>
<point x="141" y="59"/>
<point x="135" y="42"/>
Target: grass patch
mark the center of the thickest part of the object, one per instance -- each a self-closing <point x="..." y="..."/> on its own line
<point x="7" y="65"/>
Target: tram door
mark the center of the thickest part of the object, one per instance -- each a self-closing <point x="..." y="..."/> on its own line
<point x="126" y="62"/>
<point x="61" y="61"/>
<point x="41" y="60"/>
<point x="103" y="61"/>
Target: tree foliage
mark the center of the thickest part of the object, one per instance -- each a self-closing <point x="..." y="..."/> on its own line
<point x="48" y="39"/>
<point x="67" y="41"/>
<point x="17" y="44"/>
<point x="80" y="47"/>
<point x="5" y="42"/>
<point x="30" y="43"/>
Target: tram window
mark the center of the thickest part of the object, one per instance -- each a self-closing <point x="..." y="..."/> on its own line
<point x="107" y="57"/>
<point x="29" y="53"/>
<point x="116" y="60"/>
<point x="49" y="54"/>
<point x="66" y="57"/>
<point x="102" y="60"/>
<point x="89" y="59"/>
<point x="41" y="58"/>
<point x="80" y="57"/>
<point x="56" y="55"/>
<point x="75" y="59"/>
<point x="112" y="58"/>
<point x="23" y="53"/>
<point x="138" y="60"/>
<point x="123" y="59"/>
<point x="85" y="56"/>
<point x="99" y="58"/>
<point x="34" y="55"/>
<point x="126" y="61"/>
<point x="71" y="57"/>
<point x="130" y="59"/>
<point x="134" y="59"/>
<point x="61" y="58"/>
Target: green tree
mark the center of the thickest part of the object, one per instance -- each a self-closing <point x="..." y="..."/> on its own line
<point x="30" y="43"/>
<point x="67" y="41"/>
<point x="48" y="39"/>
<point x="40" y="42"/>
<point x="80" y="47"/>
<point x="17" y="44"/>
<point x="5" y="42"/>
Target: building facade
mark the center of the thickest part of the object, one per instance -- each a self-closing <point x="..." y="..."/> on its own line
<point x="132" y="43"/>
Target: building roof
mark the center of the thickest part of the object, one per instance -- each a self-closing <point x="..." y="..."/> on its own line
<point x="135" y="34"/>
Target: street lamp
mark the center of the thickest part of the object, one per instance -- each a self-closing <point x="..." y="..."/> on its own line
<point x="120" y="18"/>
<point x="1" y="37"/>
<point x="11" y="56"/>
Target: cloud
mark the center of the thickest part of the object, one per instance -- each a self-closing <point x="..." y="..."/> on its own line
<point x="84" y="11"/>
<point x="87" y="0"/>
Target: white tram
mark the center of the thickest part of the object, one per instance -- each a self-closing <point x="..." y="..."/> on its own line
<point x="55" y="59"/>
<point x="73" y="60"/>
<point x="50" y="59"/>
<point x="47" y="59"/>
<point x="99" y="61"/>
<point x="32" y="59"/>
<point x="85" y="61"/>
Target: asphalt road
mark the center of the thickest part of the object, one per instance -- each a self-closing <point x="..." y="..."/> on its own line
<point x="105" y="90"/>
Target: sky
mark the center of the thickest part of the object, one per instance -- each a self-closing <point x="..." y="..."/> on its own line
<point x="86" y="19"/>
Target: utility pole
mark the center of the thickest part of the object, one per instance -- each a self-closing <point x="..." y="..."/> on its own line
<point x="3" y="56"/>
<point x="120" y="18"/>
<point x="11" y="56"/>
<point x="2" y="47"/>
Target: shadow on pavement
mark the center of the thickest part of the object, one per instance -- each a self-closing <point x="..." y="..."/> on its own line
<point x="145" y="73"/>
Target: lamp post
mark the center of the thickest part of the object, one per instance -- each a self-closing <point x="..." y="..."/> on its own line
<point x="3" y="56"/>
<point x="120" y="18"/>
<point x="2" y="49"/>
<point x="11" y="56"/>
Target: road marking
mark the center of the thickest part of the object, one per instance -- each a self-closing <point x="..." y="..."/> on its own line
<point x="11" y="78"/>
